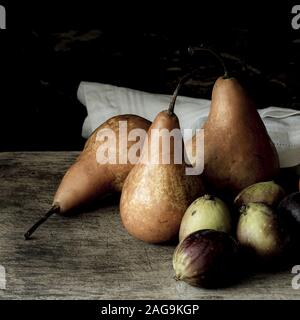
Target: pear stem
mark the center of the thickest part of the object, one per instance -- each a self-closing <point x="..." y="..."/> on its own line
<point x="181" y="82"/>
<point x="53" y="209"/>
<point x="186" y="77"/>
<point x="192" y="51"/>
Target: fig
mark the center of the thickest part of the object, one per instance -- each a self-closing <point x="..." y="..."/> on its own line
<point x="267" y="192"/>
<point x="207" y="212"/>
<point x="259" y="231"/>
<point x="207" y="258"/>
<point x="289" y="213"/>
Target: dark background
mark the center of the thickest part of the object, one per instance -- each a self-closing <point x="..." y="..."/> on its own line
<point x="48" y="48"/>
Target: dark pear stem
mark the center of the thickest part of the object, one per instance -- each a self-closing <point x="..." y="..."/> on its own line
<point x="188" y="76"/>
<point x="192" y="51"/>
<point x="181" y="82"/>
<point x="53" y="209"/>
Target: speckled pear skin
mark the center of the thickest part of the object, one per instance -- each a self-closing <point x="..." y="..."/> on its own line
<point x="155" y="196"/>
<point x="86" y="180"/>
<point x="238" y="151"/>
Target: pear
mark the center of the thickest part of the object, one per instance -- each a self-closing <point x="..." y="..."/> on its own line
<point x="156" y="194"/>
<point x="87" y="179"/>
<point x="238" y="151"/>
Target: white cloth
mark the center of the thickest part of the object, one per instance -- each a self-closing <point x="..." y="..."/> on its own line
<point x="104" y="101"/>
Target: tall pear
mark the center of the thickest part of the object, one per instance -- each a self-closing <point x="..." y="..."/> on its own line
<point x="238" y="151"/>
<point x="88" y="178"/>
<point x="156" y="194"/>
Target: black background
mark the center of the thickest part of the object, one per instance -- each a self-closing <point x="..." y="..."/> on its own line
<point x="49" y="47"/>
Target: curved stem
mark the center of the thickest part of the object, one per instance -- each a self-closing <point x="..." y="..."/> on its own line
<point x="192" y="50"/>
<point x="185" y="78"/>
<point x="53" y="209"/>
<point x="181" y="82"/>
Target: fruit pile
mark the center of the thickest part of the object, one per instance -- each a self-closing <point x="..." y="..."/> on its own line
<point x="218" y="245"/>
<point x="158" y="200"/>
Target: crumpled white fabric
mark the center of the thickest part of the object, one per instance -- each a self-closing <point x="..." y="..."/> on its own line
<point x="104" y="101"/>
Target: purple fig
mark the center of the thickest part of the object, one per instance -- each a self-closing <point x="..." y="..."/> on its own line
<point x="206" y="258"/>
<point x="289" y="213"/>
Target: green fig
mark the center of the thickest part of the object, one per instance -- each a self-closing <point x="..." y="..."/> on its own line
<point x="206" y="258"/>
<point x="267" y="192"/>
<point x="259" y="232"/>
<point x="207" y="212"/>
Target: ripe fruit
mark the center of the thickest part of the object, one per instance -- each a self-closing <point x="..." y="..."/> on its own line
<point x="206" y="258"/>
<point x="207" y="212"/>
<point x="267" y="192"/>
<point x="259" y="231"/>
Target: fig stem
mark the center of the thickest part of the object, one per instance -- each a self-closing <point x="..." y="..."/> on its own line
<point x="53" y="209"/>
<point x="243" y="209"/>
<point x="192" y="51"/>
<point x="177" y="278"/>
<point x="208" y="197"/>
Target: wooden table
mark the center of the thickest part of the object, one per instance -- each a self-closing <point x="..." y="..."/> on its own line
<point x="90" y="256"/>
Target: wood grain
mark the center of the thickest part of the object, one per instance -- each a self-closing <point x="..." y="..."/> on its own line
<point x="90" y="256"/>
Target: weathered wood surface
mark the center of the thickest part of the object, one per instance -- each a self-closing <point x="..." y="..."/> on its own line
<point x="90" y="256"/>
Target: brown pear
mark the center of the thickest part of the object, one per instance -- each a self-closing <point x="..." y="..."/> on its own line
<point x="238" y="151"/>
<point x="156" y="194"/>
<point x="87" y="179"/>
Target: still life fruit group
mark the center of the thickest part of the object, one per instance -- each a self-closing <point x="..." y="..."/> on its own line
<point x="234" y="209"/>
